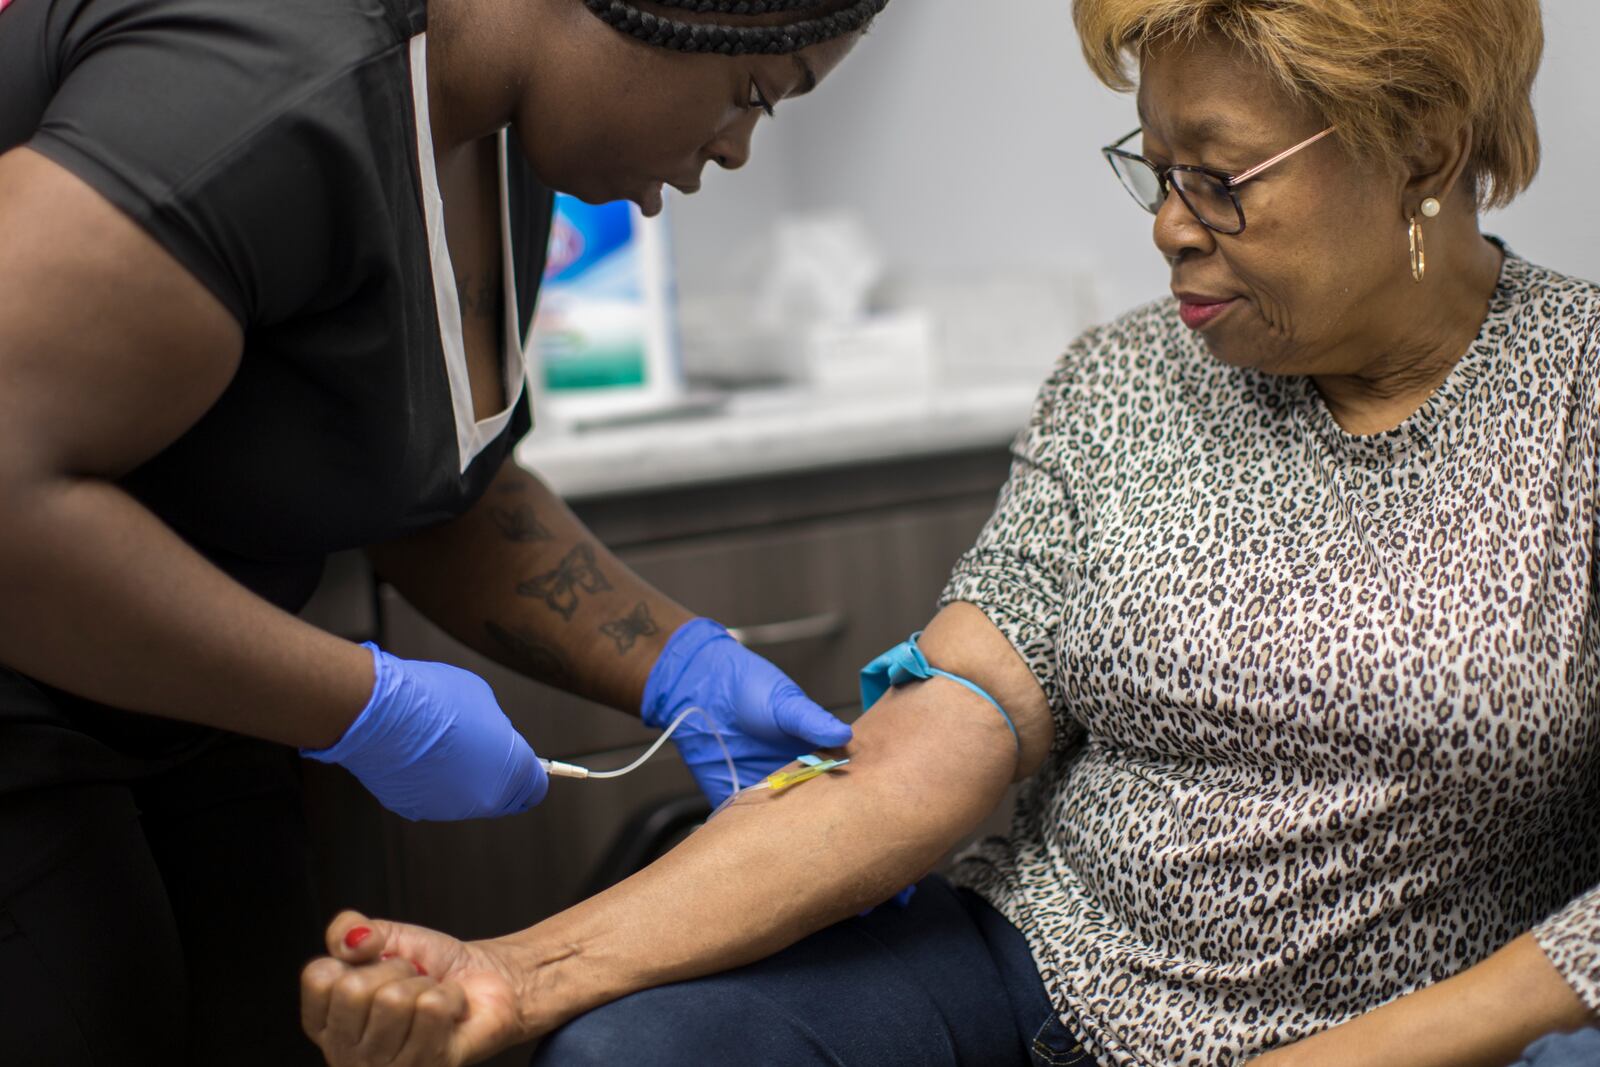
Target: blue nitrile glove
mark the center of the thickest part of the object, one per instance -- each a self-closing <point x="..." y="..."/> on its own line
<point x="432" y="743"/>
<point x="764" y="718"/>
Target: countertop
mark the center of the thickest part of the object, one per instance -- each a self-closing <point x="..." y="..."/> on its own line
<point x="773" y="431"/>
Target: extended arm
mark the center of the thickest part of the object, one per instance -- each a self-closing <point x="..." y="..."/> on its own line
<point x="929" y="762"/>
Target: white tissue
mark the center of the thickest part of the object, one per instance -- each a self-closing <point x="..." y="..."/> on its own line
<point x="822" y="272"/>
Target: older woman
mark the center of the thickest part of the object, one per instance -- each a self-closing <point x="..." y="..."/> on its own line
<point x="1290" y="601"/>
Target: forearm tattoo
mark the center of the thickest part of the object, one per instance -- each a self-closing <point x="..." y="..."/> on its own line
<point x="520" y="524"/>
<point x="525" y="653"/>
<point x="559" y="588"/>
<point x="626" y="631"/>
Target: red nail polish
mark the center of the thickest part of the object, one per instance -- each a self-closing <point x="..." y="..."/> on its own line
<point x="357" y="935"/>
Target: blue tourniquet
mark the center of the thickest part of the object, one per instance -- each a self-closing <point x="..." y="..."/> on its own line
<point x="905" y="663"/>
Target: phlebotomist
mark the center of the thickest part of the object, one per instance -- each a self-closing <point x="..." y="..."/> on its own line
<point x="266" y="271"/>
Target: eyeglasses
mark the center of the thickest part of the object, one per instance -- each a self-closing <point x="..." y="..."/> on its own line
<point x="1210" y="195"/>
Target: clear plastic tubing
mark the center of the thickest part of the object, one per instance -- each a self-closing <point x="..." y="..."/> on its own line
<point x="557" y="769"/>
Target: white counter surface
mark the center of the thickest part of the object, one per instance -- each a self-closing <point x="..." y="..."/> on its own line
<point x="769" y="432"/>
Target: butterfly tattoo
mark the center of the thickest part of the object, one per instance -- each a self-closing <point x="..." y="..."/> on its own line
<point x="627" y="630"/>
<point x="559" y="588"/>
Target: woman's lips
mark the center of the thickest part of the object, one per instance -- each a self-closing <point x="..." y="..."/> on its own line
<point x="1199" y="312"/>
<point x="653" y="199"/>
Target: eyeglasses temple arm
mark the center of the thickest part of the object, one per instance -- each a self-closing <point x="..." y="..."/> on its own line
<point x="1240" y="179"/>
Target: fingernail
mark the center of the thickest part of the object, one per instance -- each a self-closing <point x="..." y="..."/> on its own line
<point x="357" y="935"/>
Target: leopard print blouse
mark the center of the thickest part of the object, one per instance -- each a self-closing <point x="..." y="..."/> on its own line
<point x="1327" y="706"/>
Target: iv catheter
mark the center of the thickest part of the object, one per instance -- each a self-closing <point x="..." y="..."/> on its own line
<point x="810" y="767"/>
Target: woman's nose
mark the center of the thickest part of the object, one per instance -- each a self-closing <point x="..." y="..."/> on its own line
<point x="731" y="148"/>
<point x="1177" y="230"/>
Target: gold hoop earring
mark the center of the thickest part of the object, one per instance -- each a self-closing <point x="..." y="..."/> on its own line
<point x="1419" y="260"/>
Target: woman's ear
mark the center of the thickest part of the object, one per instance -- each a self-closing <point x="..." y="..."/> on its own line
<point x="1438" y="168"/>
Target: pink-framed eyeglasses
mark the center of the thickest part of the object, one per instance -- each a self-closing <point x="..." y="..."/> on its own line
<point x="1210" y="195"/>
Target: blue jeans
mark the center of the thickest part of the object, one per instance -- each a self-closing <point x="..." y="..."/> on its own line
<point x="942" y="981"/>
<point x="1581" y="1049"/>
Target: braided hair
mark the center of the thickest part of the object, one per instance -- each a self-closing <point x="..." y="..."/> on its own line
<point x="817" y="21"/>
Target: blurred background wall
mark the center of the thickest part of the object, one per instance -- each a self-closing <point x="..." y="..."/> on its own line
<point x="966" y="134"/>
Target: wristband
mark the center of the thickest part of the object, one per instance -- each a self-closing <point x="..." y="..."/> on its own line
<point x="905" y="663"/>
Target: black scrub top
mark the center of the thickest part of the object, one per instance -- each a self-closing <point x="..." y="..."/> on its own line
<point x="279" y="150"/>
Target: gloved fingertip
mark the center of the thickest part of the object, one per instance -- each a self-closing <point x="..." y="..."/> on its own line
<point x="819" y="728"/>
<point x="834" y="734"/>
<point x="800" y="717"/>
<point x="538" y="787"/>
<point x="533" y="786"/>
<point x="533" y="779"/>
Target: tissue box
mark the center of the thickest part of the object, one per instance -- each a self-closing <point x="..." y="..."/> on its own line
<point x="894" y="350"/>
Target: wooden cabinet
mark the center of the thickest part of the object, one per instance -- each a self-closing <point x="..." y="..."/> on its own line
<point x="820" y="571"/>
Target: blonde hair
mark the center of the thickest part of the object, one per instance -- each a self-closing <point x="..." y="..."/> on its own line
<point x="1383" y="71"/>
